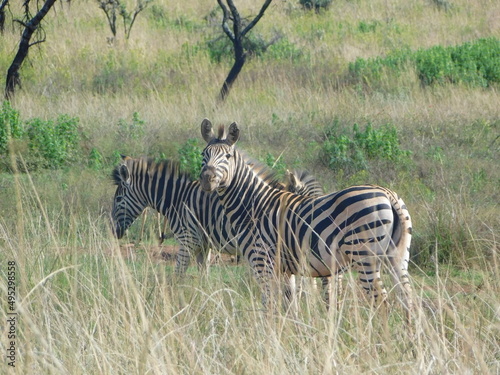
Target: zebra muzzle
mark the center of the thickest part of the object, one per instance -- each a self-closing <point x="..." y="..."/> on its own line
<point x="208" y="180"/>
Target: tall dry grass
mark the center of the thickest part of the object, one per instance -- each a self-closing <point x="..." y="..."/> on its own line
<point x="86" y="306"/>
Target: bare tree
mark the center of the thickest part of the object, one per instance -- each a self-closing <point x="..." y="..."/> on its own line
<point x="113" y="8"/>
<point x="237" y="36"/>
<point x="30" y="27"/>
<point x="3" y="5"/>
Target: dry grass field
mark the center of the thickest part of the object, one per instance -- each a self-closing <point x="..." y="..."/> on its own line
<point x="87" y="303"/>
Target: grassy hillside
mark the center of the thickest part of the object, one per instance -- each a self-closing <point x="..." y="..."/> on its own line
<point x="89" y="304"/>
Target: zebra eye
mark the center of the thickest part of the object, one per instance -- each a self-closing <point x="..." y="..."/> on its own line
<point x="228" y="156"/>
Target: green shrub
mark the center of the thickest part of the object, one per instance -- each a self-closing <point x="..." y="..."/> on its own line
<point x="351" y="152"/>
<point x="371" y="72"/>
<point x="276" y="164"/>
<point x="96" y="160"/>
<point x="368" y="27"/>
<point x="475" y="63"/>
<point x="315" y="4"/>
<point x="10" y="126"/>
<point x="190" y="157"/>
<point x="435" y="65"/>
<point x="382" y="143"/>
<point x="52" y="144"/>
<point x="221" y="48"/>
<point x="283" y="49"/>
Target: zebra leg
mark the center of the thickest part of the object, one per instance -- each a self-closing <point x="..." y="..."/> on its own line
<point x="326" y="290"/>
<point x="262" y="265"/>
<point x="182" y="261"/>
<point x="369" y="275"/>
<point x="401" y="280"/>
<point x="143" y="223"/>
<point x="203" y="260"/>
<point x="290" y="294"/>
<point x="339" y="289"/>
<point x="162" y="230"/>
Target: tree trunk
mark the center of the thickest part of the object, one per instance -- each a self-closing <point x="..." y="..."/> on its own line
<point x="30" y="27"/>
<point x="231" y="77"/>
<point x="239" y="61"/>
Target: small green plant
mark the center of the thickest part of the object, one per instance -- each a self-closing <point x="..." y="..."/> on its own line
<point x="367" y="26"/>
<point x="133" y="130"/>
<point x="190" y="157"/>
<point x="381" y="143"/>
<point x="10" y="126"/>
<point x="276" y="164"/>
<point x="352" y="152"/>
<point x="283" y="49"/>
<point x="53" y="144"/>
<point x="96" y="160"/>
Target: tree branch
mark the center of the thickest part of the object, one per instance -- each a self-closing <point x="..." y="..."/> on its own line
<point x="236" y="19"/>
<point x="257" y="18"/>
<point x="225" y="19"/>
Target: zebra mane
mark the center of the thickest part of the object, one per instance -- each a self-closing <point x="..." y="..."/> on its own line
<point x="262" y="171"/>
<point x="144" y="164"/>
<point x="307" y="183"/>
<point x="221" y="132"/>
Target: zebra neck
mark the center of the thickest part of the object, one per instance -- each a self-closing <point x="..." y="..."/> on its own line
<point x="169" y="194"/>
<point x="247" y="195"/>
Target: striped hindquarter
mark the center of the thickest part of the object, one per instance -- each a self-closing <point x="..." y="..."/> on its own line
<point x="281" y="232"/>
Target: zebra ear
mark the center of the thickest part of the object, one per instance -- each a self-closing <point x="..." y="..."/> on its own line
<point x="234" y="134"/>
<point x="207" y="131"/>
<point x="124" y="173"/>
<point x="292" y="181"/>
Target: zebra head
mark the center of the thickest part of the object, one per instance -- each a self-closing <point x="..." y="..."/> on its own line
<point x="217" y="167"/>
<point x="126" y="206"/>
<point x="303" y="183"/>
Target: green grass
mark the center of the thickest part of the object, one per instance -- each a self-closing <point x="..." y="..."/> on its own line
<point x="90" y="304"/>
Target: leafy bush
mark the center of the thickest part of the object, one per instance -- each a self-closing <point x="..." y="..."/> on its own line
<point x="190" y="157"/>
<point x="283" y="49"/>
<point x="315" y="4"/>
<point x="10" y="126"/>
<point x="351" y="152"/>
<point x="368" y="27"/>
<point x="371" y="71"/>
<point x="474" y="63"/>
<point x="52" y="144"/>
<point x="96" y="160"/>
<point x="221" y="48"/>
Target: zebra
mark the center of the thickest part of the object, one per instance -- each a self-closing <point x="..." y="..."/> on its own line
<point x="143" y="183"/>
<point x="281" y="233"/>
<point x="303" y="183"/>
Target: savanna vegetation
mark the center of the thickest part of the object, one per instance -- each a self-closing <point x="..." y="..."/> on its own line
<point x="404" y="94"/>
